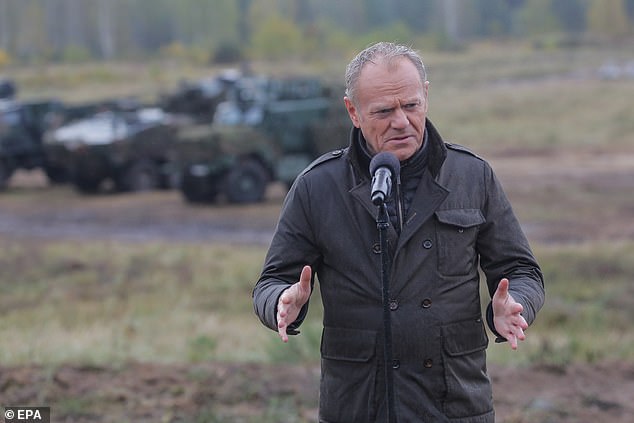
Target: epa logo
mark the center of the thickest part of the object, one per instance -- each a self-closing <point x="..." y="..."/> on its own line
<point x="27" y="414"/>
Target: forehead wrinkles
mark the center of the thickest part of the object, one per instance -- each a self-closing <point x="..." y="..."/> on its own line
<point x="386" y="85"/>
<point x="401" y="88"/>
<point x="392" y="92"/>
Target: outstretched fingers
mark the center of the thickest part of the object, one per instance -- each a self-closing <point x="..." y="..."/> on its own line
<point x="291" y="302"/>
<point x="507" y="316"/>
<point x="282" y="313"/>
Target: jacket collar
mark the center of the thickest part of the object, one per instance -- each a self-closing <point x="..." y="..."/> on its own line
<point x="430" y="194"/>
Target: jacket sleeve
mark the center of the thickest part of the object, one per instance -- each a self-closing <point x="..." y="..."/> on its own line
<point x="292" y="247"/>
<point x="505" y="252"/>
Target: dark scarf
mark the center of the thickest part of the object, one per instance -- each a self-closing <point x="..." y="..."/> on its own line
<point x="412" y="170"/>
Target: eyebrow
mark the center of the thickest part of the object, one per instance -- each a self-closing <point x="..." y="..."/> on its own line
<point x="385" y="106"/>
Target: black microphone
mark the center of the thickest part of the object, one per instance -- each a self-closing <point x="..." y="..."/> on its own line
<point x="383" y="167"/>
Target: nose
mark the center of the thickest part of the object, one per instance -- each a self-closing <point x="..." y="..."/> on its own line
<point x="400" y="120"/>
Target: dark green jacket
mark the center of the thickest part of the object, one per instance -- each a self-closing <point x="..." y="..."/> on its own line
<point x="458" y="219"/>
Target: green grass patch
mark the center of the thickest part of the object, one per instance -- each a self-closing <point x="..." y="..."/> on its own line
<point x="589" y="307"/>
<point x="106" y="303"/>
<point x="101" y="302"/>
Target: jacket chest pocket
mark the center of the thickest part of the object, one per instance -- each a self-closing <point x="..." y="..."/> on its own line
<point x="456" y="236"/>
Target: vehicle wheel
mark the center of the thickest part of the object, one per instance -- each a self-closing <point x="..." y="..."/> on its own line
<point x="88" y="173"/>
<point x="5" y="174"/>
<point x="56" y="175"/>
<point x="142" y="175"/>
<point x="198" y="188"/>
<point x="246" y="183"/>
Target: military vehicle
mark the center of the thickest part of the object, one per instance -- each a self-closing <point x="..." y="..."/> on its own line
<point x="268" y="130"/>
<point x="128" y="149"/>
<point x="199" y="99"/>
<point x="249" y="131"/>
<point x="22" y="126"/>
<point x="128" y="146"/>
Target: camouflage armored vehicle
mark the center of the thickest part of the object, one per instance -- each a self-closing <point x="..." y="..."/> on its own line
<point x="128" y="149"/>
<point x="268" y="130"/>
<point x="22" y="126"/>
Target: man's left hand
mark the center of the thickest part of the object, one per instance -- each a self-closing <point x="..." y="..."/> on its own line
<point x="507" y="317"/>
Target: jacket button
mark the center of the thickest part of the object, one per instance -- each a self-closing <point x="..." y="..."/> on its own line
<point x="396" y="364"/>
<point x="426" y="303"/>
<point x="428" y="363"/>
<point x="376" y="248"/>
<point x="393" y="304"/>
<point x="427" y="244"/>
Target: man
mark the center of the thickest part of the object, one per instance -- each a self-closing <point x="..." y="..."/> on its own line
<point x="448" y="215"/>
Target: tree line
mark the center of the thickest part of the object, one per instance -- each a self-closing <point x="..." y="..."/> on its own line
<point x="229" y="30"/>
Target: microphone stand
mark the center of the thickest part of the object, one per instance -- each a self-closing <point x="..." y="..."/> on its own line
<point x="382" y="224"/>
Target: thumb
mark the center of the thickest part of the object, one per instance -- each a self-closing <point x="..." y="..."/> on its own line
<point x="502" y="290"/>
<point x="304" y="278"/>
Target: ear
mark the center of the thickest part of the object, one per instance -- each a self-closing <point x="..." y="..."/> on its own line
<point x="426" y="93"/>
<point x="352" y="112"/>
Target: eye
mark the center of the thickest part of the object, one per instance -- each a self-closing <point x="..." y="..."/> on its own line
<point x="383" y="112"/>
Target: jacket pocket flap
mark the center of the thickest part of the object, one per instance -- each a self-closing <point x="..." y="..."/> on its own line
<point x="343" y="344"/>
<point x="464" y="218"/>
<point x="464" y="337"/>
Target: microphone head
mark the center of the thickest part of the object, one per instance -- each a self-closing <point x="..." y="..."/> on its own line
<point x="385" y="159"/>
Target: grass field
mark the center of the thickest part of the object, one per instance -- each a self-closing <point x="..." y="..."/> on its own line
<point x="100" y="303"/>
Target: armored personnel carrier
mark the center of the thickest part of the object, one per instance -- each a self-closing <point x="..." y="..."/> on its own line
<point x="267" y="130"/>
<point x="130" y="149"/>
<point x="126" y="146"/>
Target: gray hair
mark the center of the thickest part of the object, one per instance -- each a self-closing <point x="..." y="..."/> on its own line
<point x="385" y="51"/>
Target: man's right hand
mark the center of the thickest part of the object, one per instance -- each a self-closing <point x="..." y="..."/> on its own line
<point x="291" y="302"/>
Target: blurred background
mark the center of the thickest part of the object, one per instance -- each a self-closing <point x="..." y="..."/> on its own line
<point x="146" y="147"/>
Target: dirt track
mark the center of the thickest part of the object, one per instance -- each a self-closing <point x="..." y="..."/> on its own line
<point x="216" y="392"/>
<point x="33" y="209"/>
<point x="560" y="197"/>
<point x="583" y="197"/>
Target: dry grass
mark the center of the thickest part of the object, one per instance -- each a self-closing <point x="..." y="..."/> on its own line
<point x="103" y="302"/>
<point x="589" y="308"/>
<point x="99" y="303"/>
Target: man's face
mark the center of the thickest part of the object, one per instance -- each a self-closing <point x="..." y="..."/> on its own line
<point x="390" y="107"/>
